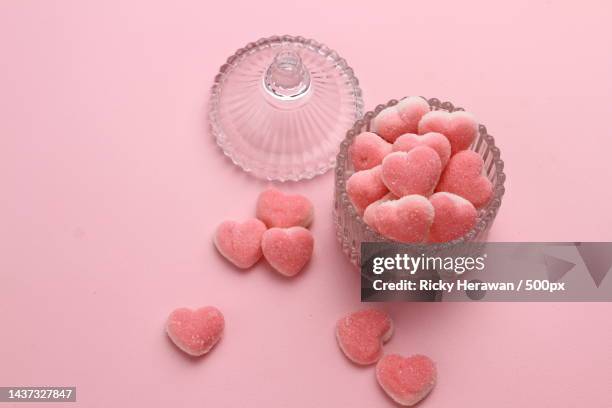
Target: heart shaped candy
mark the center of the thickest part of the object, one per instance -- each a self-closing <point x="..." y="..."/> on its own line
<point x="287" y="250"/>
<point x="407" y="219"/>
<point x="361" y="335"/>
<point x="365" y="187"/>
<point x="407" y="380"/>
<point x="369" y="215"/>
<point x="411" y="110"/>
<point x="388" y="124"/>
<point x="368" y="150"/>
<point x="436" y="141"/>
<point x="240" y="243"/>
<point x="459" y="127"/>
<point x="277" y="209"/>
<point x="454" y="217"/>
<point x="463" y="176"/>
<point x="404" y="117"/>
<point x="195" y="331"/>
<point x="415" y="172"/>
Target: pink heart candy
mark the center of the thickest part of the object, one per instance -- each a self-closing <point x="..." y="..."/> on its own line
<point x="277" y="209"/>
<point x="368" y="150"/>
<point x="459" y="127"/>
<point x="411" y="110"/>
<point x="414" y="172"/>
<point x="287" y="250"/>
<point x="407" y="219"/>
<point x="369" y="215"/>
<point x="240" y="243"/>
<point x="463" y="176"/>
<point x="361" y="335"/>
<point x="407" y="380"/>
<point x="454" y="217"/>
<point x="436" y="141"/>
<point x="388" y="124"/>
<point x="401" y="118"/>
<point x="365" y="187"/>
<point x="195" y="331"/>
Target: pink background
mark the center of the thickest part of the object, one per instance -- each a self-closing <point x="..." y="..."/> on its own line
<point x="111" y="188"/>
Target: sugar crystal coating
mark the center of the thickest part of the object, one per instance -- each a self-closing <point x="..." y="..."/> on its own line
<point x="407" y="219"/>
<point x="195" y="331"/>
<point x="240" y="243"/>
<point x="411" y="110"/>
<point x="388" y="124"/>
<point x="366" y="186"/>
<point x="436" y="141"/>
<point x="287" y="250"/>
<point x="414" y="172"/>
<point x="407" y="380"/>
<point x="454" y="217"/>
<point x="401" y="118"/>
<point x="460" y="127"/>
<point x="367" y="150"/>
<point x="277" y="209"/>
<point x="463" y="176"/>
<point x="361" y="335"/>
<point x="369" y="215"/>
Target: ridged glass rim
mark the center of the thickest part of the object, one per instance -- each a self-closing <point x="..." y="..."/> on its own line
<point x="260" y="44"/>
<point x="485" y="215"/>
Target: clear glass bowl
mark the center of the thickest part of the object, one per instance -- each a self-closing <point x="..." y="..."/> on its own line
<point x="351" y="230"/>
<point x="279" y="107"/>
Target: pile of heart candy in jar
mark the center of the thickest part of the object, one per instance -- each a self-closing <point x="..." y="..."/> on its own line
<point x="415" y="180"/>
